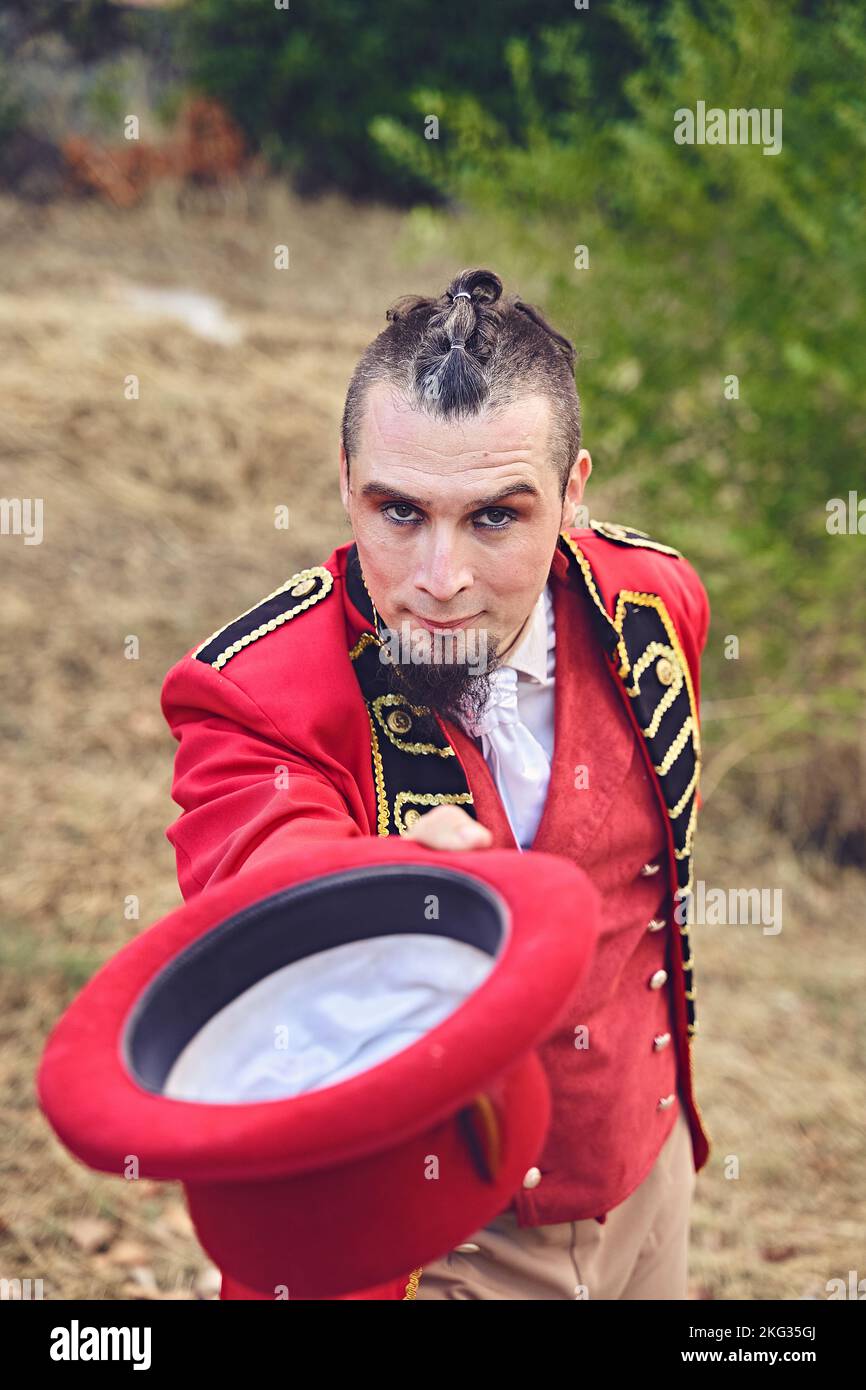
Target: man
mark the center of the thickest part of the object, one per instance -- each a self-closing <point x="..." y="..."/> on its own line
<point x="473" y="671"/>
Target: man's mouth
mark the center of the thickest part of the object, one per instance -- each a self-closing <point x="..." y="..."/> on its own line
<point x="450" y="626"/>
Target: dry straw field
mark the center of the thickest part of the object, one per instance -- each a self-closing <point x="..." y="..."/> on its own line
<point x="158" y="524"/>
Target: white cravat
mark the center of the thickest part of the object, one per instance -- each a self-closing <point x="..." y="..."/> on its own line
<point x="516" y="725"/>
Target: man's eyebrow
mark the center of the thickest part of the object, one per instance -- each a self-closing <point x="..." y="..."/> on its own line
<point x="492" y="500"/>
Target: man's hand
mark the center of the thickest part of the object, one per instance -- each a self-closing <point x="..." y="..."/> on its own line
<point x="449" y="827"/>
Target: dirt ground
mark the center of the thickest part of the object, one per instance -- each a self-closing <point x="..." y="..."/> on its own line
<point x="158" y="524"/>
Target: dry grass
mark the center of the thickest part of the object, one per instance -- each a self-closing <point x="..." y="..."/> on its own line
<point x="159" y="524"/>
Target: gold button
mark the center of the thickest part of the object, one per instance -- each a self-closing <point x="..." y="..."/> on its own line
<point x="666" y="1101"/>
<point x="661" y="1040"/>
<point x="656" y="924"/>
<point x="532" y="1177"/>
<point x="665" y="670"/>
<point x="410" y="817"/>
<point x="649" y="869"/>
<point x="399" y="722"/>
<point x="302" y="587"/>
<point x="658" y="979"/>
<point x="467" y="1248"/>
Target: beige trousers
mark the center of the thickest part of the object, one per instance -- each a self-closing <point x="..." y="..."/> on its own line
<point x="640" y="1252"/>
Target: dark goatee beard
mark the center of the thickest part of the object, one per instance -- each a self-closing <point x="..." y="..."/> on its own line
<point x="449" y="689"/>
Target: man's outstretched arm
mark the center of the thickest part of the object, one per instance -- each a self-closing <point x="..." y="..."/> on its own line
<point x="244" y="790"/>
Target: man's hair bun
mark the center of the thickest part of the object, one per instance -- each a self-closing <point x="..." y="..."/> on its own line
<point x="482" y="286"/>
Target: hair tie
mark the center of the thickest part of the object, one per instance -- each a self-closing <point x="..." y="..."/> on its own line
<point x="465" y="293"/>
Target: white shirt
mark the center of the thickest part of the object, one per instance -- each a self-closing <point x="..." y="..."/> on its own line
<point x="519" y="752"/>
<point x="534" y="659"/>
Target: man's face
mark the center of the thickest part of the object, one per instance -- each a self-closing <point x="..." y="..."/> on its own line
<point x="456" y="524"/>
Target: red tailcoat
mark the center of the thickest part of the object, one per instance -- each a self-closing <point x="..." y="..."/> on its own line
<point x="287" y="730"/>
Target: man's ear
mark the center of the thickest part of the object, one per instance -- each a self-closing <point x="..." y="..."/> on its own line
<point x="573" y="512"/>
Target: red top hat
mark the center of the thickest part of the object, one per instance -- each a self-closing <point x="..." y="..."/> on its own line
<point x="333" y="1054"/>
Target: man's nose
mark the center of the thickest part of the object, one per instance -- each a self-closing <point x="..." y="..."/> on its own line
<point x="441" y="571"/>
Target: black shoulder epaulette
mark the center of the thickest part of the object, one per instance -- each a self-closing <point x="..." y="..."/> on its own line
<point x="305" y="588"/>
<point x="627" y="535"/>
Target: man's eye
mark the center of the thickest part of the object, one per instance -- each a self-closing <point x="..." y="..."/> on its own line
<point x="399" y="520"/>
<point x="502" y="518"/>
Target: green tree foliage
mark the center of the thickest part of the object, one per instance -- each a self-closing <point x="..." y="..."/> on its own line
<point x="309" y="83"/>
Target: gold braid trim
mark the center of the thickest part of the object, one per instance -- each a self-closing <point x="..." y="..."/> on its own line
<point x="677" y="810"/>
<point x="613" y="531"/>
<point x="589" y="580"/>
<point x="427" y="799"/>
<point x="402" y="703"/>
<point x="676" y="748"/>
<point x="365" y="640"/>
<point x="655" y="601"/>
<point x="383" y="815"/>
<point x="313" y="572"/>
<point x="664" y="705"/>
<point x="689" y="887"/>
<point x="646" y="659"/>
<point x="412" y="1285"/>
<point x="690" y="831"/>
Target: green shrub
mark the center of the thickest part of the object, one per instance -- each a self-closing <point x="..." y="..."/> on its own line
<point x="309" y="84"/>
